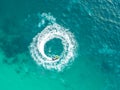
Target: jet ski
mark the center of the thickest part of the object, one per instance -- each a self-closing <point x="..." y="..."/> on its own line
<point x="55" y="57"/>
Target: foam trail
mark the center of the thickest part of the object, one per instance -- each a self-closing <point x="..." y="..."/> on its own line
<point x="52" y="31"/>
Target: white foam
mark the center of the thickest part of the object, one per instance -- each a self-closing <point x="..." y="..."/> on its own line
<point x="50" y="32"/>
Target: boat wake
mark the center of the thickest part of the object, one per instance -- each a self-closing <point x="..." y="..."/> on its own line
<point x="53" y="30"/>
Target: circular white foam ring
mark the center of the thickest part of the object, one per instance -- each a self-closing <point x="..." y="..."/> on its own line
<point x="50" y="32"/>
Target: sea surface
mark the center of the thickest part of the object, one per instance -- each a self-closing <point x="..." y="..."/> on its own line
<point x="96" y="27"/>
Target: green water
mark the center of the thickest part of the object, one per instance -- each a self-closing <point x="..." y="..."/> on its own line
<point x="95" y="25"/>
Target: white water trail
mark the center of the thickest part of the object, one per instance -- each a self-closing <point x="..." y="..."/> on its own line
<point x="52" y="31"/>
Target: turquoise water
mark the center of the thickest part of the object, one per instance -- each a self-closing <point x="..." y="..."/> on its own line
<point x="96" y="27"/>
<point x="54" y="47"/>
